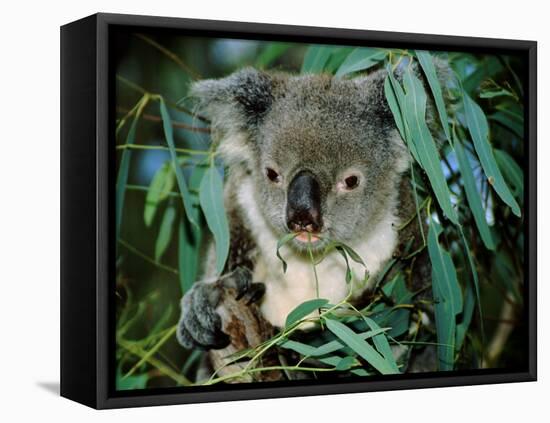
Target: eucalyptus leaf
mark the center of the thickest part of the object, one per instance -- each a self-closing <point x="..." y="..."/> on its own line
<point x="316" y="58"/>
<point x="382" y="345"/>
<point x="161" y="185"/>
<point x="211" y="201"/>
<point x="304" y="310"/>
<point x="280" y="243"/>
<point x="426" y="62"/>
<point x="337" y="57"/>
<point x="328" y="348"/>
<point x="479" y="130"/>
<point x="473" y="195"/>
<point x="496" y="93"/>
<point x="475" y="279"/>
<point x="395" y="97"/>
<point x="182" y="185"/>
<point x="124" y="167"/>
<point x="511" y="171"/>
<point x="447" y="297"/>
<point x="415" y="112"/>
<point x="464" y="324"/>
<point x="361" y="59"/>
<point x="189" y="238"/>
<point x="360" y="346"/>
<point x="165" y="232"/>
<point x="270" y="53"/>
<point x="509" y="121"/>
<point x="130" y="382"/>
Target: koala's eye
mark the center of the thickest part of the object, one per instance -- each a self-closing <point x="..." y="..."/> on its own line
<point x="348" y="183"/>
<point x="272" y="175"/>
<point x="351" y="182"/>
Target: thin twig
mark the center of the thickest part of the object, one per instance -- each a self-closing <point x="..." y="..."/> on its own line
<point x="186" y="68"/>
<point x="145" y="257"/>
<point x="154" y="96"/>
<point x="150" y="353"/>
<point x="145" y="188"/>
<point x="129" y="346"/>
<point x="162" y="147"/>
<point x="175" y="124"/>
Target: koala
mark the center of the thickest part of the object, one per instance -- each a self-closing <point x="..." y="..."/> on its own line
<point x="312" y="155"/>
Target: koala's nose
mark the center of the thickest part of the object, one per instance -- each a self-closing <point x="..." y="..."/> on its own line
<point x="303" y="210"/>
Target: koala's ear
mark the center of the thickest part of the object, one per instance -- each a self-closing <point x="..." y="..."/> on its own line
<point x="237" y="102"/>
<point x="376" y="105"/>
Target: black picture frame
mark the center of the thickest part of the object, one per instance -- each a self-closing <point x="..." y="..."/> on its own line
<point x="87" y="172"/>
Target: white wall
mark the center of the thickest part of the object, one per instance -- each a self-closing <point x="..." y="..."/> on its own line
<point x="29" y="176"/>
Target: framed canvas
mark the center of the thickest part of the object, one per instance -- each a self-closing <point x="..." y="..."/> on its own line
<point x="257" y="211"/>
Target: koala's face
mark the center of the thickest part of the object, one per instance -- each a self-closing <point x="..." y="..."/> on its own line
<point x="324" y="153"/>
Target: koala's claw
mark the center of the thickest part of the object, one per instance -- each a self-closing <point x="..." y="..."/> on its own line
<point x="240" y="280"/>
<point x="200" y="326"/>
<point x="255" y="293"/>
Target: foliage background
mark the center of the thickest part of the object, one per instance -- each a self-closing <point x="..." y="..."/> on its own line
<point x="149" y="268"/>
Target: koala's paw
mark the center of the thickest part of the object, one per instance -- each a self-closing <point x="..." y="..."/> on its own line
<point x="200" y="326"/>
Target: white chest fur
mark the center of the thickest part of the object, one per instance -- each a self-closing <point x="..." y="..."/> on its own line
<point x="285" y="291"/>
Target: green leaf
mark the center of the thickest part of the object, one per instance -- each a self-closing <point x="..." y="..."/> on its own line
<point x="360" y="59"/>
<point x="509" y="121"/>
<point x="337" y="57"/>
<point x="475" y="279"/>
<point x="345" y="363"/>
<point x="382" y="345"/>
<point x="479" y="130"/>
<point x="270" y="53"/>
<point x="462" y="327"/>
<point x="349" y="274"/>
<point x="124" y="168"/>
<point x="130" y="382"/>
<point x="345" y="251"/>
<point x="189" y="238"/>
<point x="211" y="201"/>
<point x="391" y="98"/>
<point x="511" y="170"/>
<point x="360" y="346"/>
<point x="280" y="243"/>
<point x="473" y="195"/>
<point x="398" y="319"/>
<point x="396" y="100"/>
<point x="165" y="232"/>
<point x="447" y="297"/>
<point x="444" y="270"/>
<point x="415" y="112"/>
<point x="169" y="135"/>
<point x="496" y="93"/>
<point x="304" y="310"/>
<point x="159" y="188"/>
<point x="316" y="58"/>
<point x="351" y="253"/>
<point x="426" y="62"/>
<point x="327" y="348"/>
